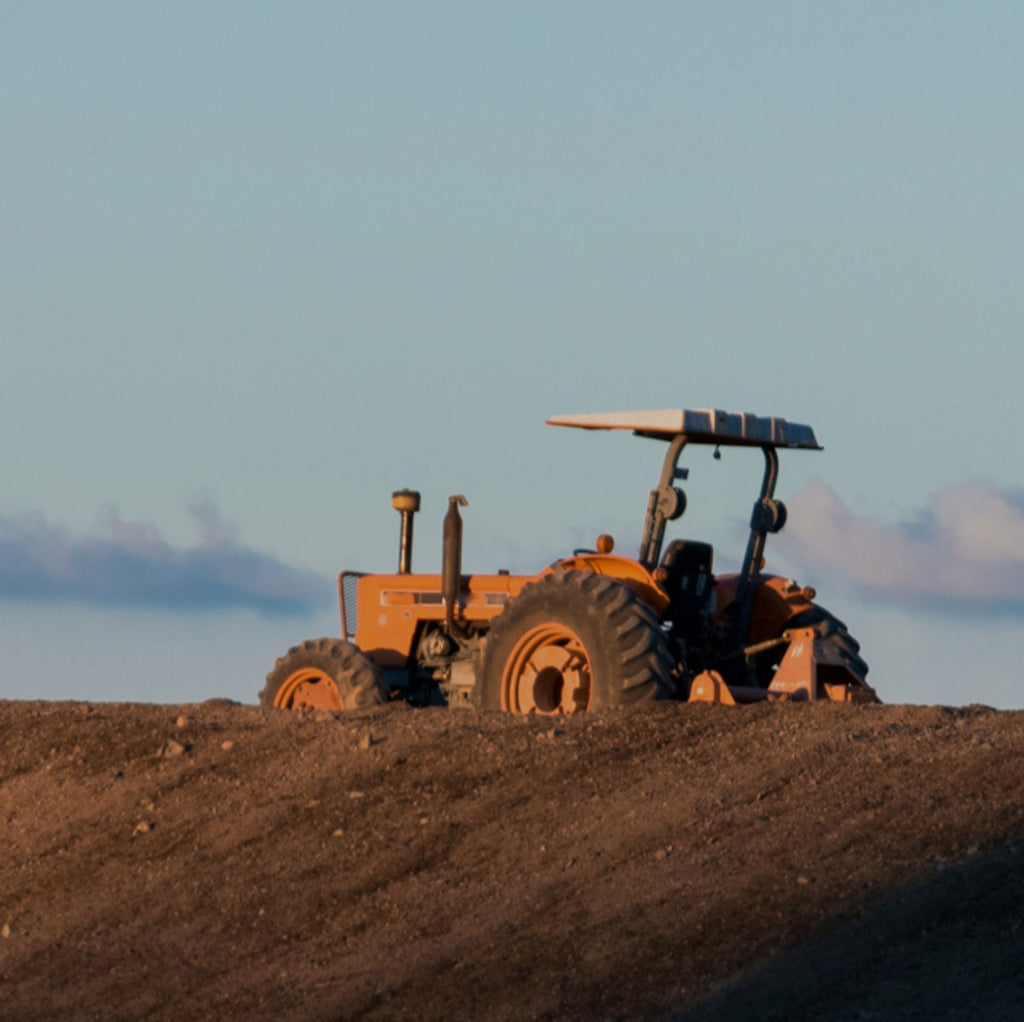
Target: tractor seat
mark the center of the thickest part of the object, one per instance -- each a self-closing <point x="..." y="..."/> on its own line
<point x="688" y="580"/>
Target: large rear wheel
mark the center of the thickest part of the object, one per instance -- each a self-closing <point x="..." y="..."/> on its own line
<point x="324" y="674"/>
<point x="573" y="641"/>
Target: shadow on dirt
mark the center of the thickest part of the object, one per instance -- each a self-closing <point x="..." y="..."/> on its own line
<point x="949" y="948"/>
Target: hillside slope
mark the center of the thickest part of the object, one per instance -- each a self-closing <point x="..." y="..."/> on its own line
<point x="226" y="861"/>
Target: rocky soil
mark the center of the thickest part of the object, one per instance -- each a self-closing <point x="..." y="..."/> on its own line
<point x="668" y="861"/>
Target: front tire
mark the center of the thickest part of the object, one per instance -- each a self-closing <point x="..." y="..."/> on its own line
<point x="324" y="674"/>
<point x="570" y="642"/>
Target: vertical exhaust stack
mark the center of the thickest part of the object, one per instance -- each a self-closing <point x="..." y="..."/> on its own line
<point x="451" y="558"/>
<point x="406" y="503"/>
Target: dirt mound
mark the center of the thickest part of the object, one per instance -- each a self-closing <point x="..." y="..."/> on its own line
<point x="230" y="862"/>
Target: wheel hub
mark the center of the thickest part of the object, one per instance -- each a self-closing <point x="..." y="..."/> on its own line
<point x="548" y="672"/>
<point x="309" y="689"/>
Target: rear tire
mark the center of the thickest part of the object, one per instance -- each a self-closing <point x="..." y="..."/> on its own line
<point x="570" y="642"/>
<point x="324" y="674"/>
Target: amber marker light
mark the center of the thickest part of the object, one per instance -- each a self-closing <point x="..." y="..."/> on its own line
<point x="605" y="544"/>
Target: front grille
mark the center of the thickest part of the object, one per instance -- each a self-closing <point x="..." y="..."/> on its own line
<point x="348" y="590"/>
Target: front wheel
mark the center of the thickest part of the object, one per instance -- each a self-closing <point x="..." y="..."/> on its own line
<point x="573" y="641"/>
<point x="324" y="674"/>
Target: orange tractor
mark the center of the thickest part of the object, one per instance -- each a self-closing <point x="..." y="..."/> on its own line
<point x="593" y="630"/>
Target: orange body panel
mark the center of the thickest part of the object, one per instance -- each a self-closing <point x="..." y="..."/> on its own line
<point x="777" y="602"/>
<point x="391" y="608"/>
<point x="631" y="573"/>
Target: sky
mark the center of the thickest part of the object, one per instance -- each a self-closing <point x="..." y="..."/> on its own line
<point x="261" y="264"/>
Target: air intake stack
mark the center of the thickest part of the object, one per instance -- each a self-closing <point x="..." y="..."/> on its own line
<point x="406" y="503"/>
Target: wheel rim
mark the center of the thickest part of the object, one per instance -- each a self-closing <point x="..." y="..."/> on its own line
<point x="547" y="672"/>
<point x="309" y="688"/>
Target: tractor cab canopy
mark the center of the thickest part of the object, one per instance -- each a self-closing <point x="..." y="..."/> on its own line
<point x="700" y="426"/>
<point x="682" y="426"/>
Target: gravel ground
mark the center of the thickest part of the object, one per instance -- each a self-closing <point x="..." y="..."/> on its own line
<point x="667" y="861"/>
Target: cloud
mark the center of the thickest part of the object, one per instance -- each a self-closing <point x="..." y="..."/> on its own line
<point x="964" y="552"/>
<point x="129" y="564"/>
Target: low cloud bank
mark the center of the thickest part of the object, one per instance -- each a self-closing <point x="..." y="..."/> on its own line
<point x="964" y="552"/>
<point x="129" y="564"/>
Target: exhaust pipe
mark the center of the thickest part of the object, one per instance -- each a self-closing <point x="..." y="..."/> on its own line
<point x="406" y="503"/>
<point x="451" y="559"/>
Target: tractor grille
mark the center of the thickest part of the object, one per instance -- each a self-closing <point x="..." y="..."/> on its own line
<point x="348" y="587"/>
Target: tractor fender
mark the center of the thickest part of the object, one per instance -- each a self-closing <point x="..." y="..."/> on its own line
<point x="777" y="601"/>
<point x="629" y="572"/>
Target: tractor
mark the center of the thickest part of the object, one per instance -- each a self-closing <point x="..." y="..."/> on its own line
<point x="595" y="629"/>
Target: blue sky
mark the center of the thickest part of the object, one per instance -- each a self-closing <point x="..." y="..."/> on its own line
<point x="261" y="264"/>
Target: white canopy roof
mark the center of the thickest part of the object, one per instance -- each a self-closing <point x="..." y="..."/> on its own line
<point x="700" y="426"/>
